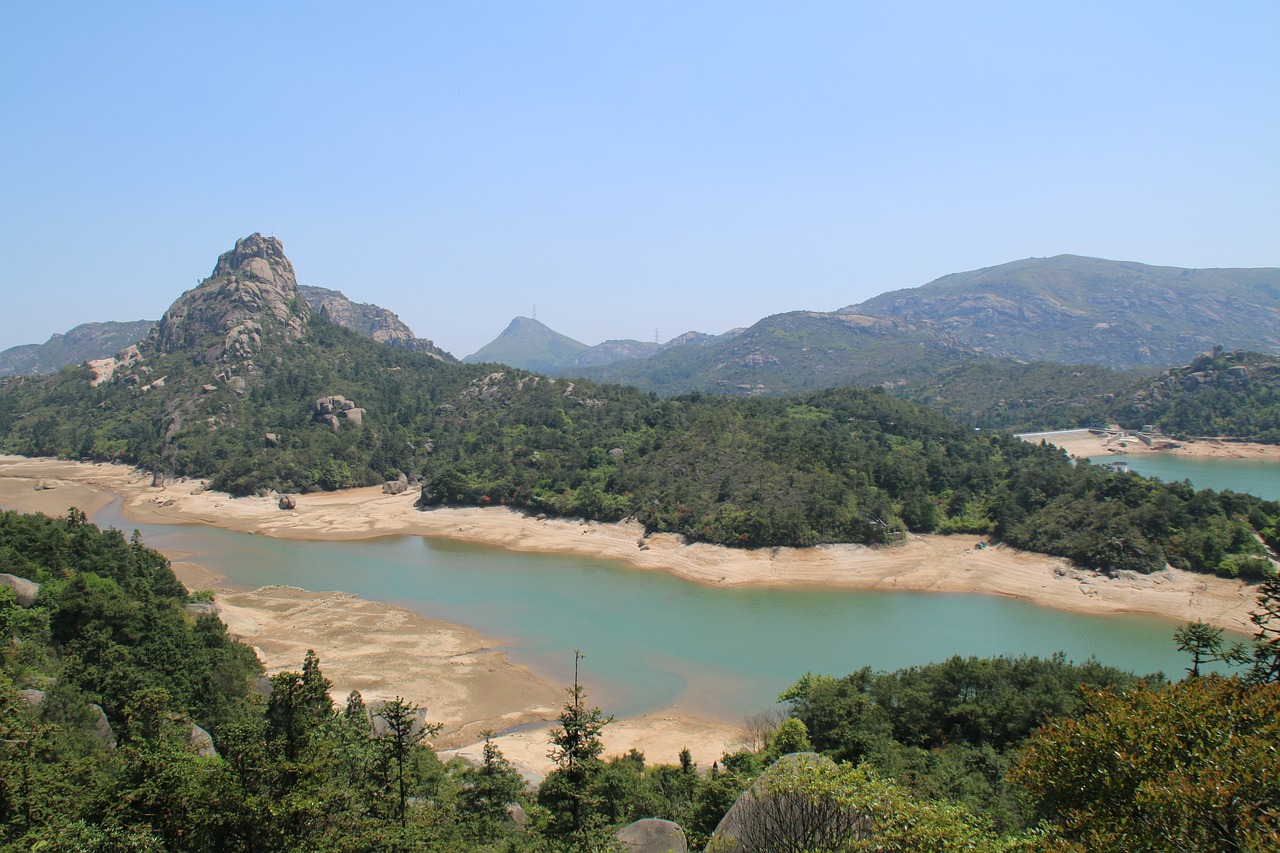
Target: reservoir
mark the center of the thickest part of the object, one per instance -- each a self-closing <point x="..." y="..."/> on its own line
<point x="1239" y="475"/>
<point x="652" y="640"/>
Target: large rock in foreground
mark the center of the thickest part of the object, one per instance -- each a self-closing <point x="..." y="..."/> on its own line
<point x="652" y="835"/>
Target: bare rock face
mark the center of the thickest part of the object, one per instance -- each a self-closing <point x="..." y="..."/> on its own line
<point x="766" y="818"/>
<point x="201" y="742"/>
<point x="652" y="835"/>
<point x="100" y="727"/>
<point x="371" y="321"/>
<point x="251" y="297"/>
<point x="200" y="608"/>
<point x="288" y="502"/>
<point x="24" y="591"/>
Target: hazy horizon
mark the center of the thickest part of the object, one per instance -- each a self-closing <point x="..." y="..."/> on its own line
<point x="672" y="166"/>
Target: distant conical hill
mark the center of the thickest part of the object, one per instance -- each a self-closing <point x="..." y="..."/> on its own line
<point x="1078" y="310"/>
<point x="531" y="345"/>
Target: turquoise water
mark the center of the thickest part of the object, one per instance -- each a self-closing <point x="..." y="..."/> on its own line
<point x="652" y="640"/>
<point x="1239" y="475"/>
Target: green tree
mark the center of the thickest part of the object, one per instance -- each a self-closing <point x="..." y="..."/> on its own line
<point x="404" y="733"/>
<point x="568" y="791"/>
<point x="487" y="790"/>
<point x="1205" y="644"/>
<point x="1266" y="642"/>
<point x="1190" y="767"/>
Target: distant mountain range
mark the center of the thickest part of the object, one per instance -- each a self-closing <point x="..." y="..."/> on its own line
<point x="953" y="342"/>
<point x="243" y="382"/>
<point x="76" y="346"/>
<point x="1076" y="310"/>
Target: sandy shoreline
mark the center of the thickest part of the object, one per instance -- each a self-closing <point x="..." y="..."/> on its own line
<point x="368" y="646"/>
<point x="381" y="650"/>
<point x="1083" y="444"/>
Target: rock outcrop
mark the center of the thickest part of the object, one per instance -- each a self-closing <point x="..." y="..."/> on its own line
<point x="250" y="298"/>
<point x="771" y="816"/>
<point x="201" y="742"/>
<point x="371" y="321"/>
<point x="333" y="409"/>
<point x="25" y="591"/>
<point x="653" y="835"/>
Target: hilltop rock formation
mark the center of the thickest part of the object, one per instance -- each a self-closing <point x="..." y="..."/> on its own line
<point x="1216" y="393"/>
<point x="371" y="321"/>
<point x="252" y="296"/>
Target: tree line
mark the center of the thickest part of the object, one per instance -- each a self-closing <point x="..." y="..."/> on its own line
<point x="843" y="465"/>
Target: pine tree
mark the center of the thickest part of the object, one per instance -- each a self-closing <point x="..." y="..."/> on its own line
<point x="576" y="747"/>
<point x="404" y="733"/>
<point x="1266" y="648"/>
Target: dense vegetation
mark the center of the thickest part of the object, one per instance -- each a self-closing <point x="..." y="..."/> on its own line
<point x="950" y="756"/>
<point x="1233" y="394"/>
<point x="844" y="465"/>
<point x="950" y="730"/>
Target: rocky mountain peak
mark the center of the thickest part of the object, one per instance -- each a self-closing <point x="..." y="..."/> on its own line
<point x="252" y="296"/>
<point x="371" y="321"/>
<point x="257" y="256"/>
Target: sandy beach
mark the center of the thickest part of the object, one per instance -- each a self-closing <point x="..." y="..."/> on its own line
<point x="468" y="685"/>
<point x="1084" y="444"/>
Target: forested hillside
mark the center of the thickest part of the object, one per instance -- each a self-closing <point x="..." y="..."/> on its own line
<point x="241" y="383"/>
<point x="1217" y="393"/>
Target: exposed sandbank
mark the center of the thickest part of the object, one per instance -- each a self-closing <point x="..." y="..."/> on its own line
<point x="465" y="683"/>
<point x="1083" y="443"/>
<point x="924" y="563"/>
<point x="383" y="651"/>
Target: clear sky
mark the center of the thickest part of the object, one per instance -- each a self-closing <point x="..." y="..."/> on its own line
<point x="624" y="166"/>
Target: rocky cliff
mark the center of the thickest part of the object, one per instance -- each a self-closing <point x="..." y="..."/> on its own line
<point x="371" y="321"/>
<point x="251" y="297"/>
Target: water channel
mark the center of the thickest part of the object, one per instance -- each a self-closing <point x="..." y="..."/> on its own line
<point x="654" y="641"/>
<point x="1239" y="475"/>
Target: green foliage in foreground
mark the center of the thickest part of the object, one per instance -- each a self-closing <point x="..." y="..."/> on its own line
<point x="1190" y="767"/>
<point x="947" y="730"/>
<point x="1121" y="765"/>
<point x="846" y="465"/>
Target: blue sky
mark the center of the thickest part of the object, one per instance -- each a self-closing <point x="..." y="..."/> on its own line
<point x="625" y="167"/>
